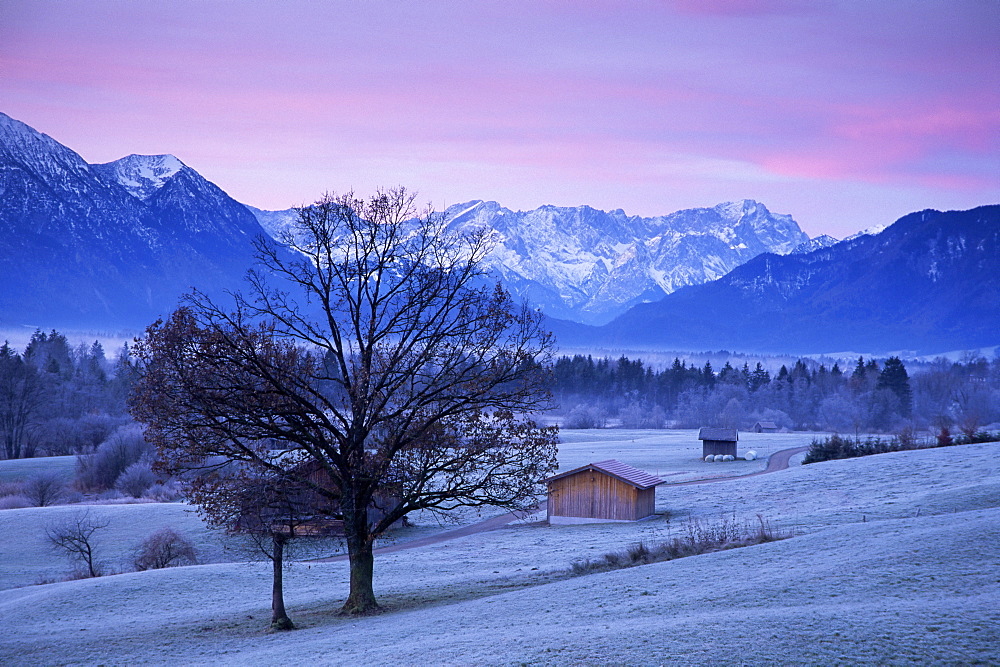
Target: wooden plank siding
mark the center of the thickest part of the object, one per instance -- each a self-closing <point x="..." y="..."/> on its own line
<point x="591" y="494"/>
<point x="711" y="447"/>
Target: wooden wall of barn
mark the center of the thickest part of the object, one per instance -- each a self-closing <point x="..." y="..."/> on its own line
<point x="591" y="494"/>
<point x="718" y="447"/>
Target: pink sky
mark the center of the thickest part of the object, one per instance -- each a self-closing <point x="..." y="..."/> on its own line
<point x="843" y="114"/>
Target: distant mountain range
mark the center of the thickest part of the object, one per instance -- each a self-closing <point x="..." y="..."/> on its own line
<point x="114" y="245"/>
<point x="590" y="266"/>
<point x="109" y="245"/>
<point x="928" y="283"/>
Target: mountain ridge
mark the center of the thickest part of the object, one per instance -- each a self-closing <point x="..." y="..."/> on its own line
<point x="929" y="282"/>
<point x="77" y="248"/>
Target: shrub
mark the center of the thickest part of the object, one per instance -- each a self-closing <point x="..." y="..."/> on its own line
<point x="136" y="479"/>
<point x="696" y="538"/>
<point x="167" y="492"/>
<point x="99" y="471"/>
<point x="585" y="416"/>
<point x="14" y="502"/>
<point x="11" y="488"/>
<point x="44" y="489"/>
<point x="164" y="548"/>
<point x="639" y="553"/>
<point x="836" y="447"/>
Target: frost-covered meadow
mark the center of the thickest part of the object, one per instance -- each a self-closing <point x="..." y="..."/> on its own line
<point x="894" y="560"/>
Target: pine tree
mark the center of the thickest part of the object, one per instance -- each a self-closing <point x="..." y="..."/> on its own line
<point x="894" y="378"/>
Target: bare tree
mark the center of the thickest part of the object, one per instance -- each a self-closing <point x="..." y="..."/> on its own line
<point x="21" y="396"/>
<point x="270" y="509"/>
<point x="74" y="537"/>
<point x="384" y="355"/>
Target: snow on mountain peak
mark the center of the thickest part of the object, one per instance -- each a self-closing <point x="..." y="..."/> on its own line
<point x="142" y="175"/>
<point x="871" y="231"/>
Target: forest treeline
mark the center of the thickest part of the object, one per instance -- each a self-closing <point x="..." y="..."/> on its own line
<point x="867" y="396"/>
<point x="58" y="399"/>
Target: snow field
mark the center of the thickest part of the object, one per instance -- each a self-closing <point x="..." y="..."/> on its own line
<point x="865" y="580"/>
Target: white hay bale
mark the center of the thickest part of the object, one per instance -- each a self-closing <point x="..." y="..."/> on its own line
<point x="750" y="456"/>
<point x="719" y="458"/>
<point x="728" y="457"/>
<point x="709" y="458"/>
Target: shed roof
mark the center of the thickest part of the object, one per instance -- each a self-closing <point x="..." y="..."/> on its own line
<point x="767" y="425"/>
<point x="624" y="472"/>
<point x="728" y="434"/>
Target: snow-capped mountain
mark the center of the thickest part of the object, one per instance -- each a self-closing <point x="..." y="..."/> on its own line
<point x="141" y="175"/>
<point x="930" y="282"/>
<point x="818" y="243"/>
<point x="110" y="245"/>
<point x="589" y="265"/>
<point x="275" y="223"/>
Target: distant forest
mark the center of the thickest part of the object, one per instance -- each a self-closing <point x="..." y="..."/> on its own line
<point x="57" y="399"/>
<point x="869" y="396"/>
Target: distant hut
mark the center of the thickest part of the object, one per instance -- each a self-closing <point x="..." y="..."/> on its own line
<point x="718" y="441"/>
<point x="765" y="427"/>
<point x="603" y="491"/>
<point x="300" y="509"/>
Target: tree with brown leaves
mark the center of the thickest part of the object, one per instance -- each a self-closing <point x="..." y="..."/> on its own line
<point x="379" y="352"/>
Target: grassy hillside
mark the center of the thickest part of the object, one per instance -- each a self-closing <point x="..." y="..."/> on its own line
<point x="894" y="561"/>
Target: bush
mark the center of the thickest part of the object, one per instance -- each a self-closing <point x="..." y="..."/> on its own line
<point x="14" y="502"/>
<point x="99" y="471"/>
<point x="836" y="447"/>
<point x="11" y="488"/>
<point x="585" y="416"/>
<point x="696" y="538"/>
<point x="136" y="479"/>
<point x="44" y="489"/>
<point x="164" y="548"/>
<point x="167" y="492"/>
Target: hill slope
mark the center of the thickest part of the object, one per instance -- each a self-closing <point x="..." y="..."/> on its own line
<point x="893" y="562"/>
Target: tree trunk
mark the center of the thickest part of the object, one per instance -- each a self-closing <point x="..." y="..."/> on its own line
<point x="359" y="552"/>
<point x="279" y="619"/>
<point x="362" y="597"/>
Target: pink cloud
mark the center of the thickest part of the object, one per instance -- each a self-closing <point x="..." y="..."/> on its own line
<point x="717" y="99"/>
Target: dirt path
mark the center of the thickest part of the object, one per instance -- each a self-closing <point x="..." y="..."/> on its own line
<point x="777" y="461"/>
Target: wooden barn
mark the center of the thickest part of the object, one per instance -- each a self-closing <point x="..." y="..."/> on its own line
<point x="599" y="492"/>
<point x="765" y="427"/>
<point x="301" y="510"/>
<point x="718" y="441"/>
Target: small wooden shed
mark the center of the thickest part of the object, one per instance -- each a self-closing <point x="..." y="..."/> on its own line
<point x="600" y="492"/>
<point x="765" y="427"/>
<point x="718" y="441"/>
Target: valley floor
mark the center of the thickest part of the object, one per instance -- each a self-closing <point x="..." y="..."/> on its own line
<point x="893" y="561"/>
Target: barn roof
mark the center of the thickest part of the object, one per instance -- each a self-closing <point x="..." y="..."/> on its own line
<point x="726" y="434"/>
<point x="767" y="424"/>
<point x="618" y="470"/>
